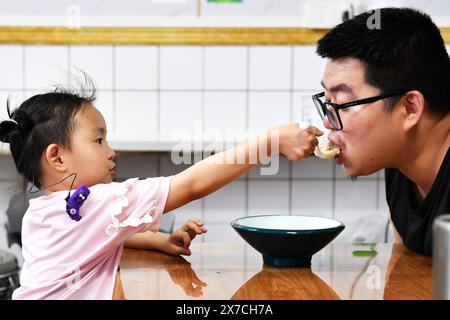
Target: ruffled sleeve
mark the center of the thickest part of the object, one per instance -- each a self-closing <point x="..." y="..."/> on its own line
<point x="131" y="206"/>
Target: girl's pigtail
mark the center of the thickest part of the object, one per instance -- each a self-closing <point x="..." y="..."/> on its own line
<point x="16" y="132"/>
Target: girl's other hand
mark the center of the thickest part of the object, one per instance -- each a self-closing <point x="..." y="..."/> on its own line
<point x="180" y="239"/>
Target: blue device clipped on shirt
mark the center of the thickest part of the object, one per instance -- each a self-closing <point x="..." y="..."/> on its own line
<point x="75" y="201"/>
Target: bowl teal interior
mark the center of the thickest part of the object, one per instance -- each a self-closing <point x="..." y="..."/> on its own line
<point x="285" y="240"/>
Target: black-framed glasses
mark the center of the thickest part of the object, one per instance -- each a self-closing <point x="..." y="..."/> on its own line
<point x="331" y="110"/>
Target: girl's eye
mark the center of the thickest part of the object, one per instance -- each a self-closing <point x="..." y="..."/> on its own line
<point x="100" y="140"/>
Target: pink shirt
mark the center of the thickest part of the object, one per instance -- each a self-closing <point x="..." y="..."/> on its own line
<point x="66" y="259"/>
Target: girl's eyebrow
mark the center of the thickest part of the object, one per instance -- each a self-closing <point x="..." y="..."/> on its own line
<point x="100" y="130"/>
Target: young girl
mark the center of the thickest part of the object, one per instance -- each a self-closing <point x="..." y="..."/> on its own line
<point x="73" y="236"/>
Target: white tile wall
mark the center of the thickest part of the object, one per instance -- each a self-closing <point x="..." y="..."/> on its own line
<point x="46" y="66"/>
<point x="136" y="116"/>
<point x="180" y="112"/>
<point x="226" y="204"/>
<point x="30" y="93"/>
<point x="192" y="210"/>
<point x="303" y="109"/>
<point x="308" y="68"/>
<point x="136" y="67"/>
<point x="226" y="68"/>
<point x="268" y="197"/>
<point x="312" y="167"/>
<point x="97" y="61"/>
<point x="225" y="111"/>
<point x="15" y="99"/>
<point x="181" y="68"/>
<point x="312" y="198"/>
<point x="270" y="68"/>
<point x="353" y="198"/>
<point x="280" y="162"/>
<point x="268" y="110"/>
<point x="11" y="66"/>
<point x="105" y="104"/>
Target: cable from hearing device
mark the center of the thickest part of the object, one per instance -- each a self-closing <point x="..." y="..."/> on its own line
<point x="74" y="201"/>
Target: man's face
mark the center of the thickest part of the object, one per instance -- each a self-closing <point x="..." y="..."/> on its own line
<point x="370" y="136"/>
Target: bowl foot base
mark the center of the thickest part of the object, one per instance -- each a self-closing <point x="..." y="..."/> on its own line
<point x="303" y="262"/>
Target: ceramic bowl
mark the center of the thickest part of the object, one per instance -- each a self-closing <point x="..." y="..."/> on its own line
<point x="285" y="240"/>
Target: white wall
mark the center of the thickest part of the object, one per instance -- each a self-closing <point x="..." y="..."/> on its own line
<point x="147" y="92"/>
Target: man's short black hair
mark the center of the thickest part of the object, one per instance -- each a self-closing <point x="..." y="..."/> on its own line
<point x="406" y="52"/>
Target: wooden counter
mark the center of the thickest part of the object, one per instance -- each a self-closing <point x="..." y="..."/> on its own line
<point x="236" y="271"/>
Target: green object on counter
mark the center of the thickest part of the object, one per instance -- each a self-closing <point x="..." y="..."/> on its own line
<point x="364" y="253"/>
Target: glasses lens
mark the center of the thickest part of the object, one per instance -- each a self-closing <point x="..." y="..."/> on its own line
<point x="332" y="116"/>
<point x="319" y="107"/>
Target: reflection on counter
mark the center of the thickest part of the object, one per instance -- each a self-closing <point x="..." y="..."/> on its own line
<point x="224" y="271"/>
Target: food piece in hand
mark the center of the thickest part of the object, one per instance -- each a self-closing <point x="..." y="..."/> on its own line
<point x="326" y="150"/>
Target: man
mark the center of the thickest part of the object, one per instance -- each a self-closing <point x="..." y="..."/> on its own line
<point x="387" y="103"/>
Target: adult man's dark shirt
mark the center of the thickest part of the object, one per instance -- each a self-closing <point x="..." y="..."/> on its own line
<point x="414" y="221"/>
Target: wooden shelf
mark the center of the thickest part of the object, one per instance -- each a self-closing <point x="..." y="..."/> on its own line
<point x="160" y="35"/>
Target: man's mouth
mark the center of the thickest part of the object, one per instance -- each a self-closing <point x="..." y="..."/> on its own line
<point x="340" y="157"/>
<point x="326" y="150"/>
<point x="334" y="143"/>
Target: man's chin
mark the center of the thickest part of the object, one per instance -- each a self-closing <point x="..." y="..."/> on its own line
<point x="351" y="170"/>
<point x="355" y="172"/>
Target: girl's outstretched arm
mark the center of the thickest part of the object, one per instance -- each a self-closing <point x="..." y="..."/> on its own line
<point x="216" y="171"/>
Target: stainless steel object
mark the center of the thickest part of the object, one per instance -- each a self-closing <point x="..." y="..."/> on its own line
<point x="441" y="257"/>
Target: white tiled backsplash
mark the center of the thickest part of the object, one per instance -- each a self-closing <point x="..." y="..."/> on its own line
<point x="148" y="92"/>
<point x="140" y="87"/>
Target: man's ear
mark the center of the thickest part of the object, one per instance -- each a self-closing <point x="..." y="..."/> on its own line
<point x="54" y="156"/>
<point x="413" y="108"/>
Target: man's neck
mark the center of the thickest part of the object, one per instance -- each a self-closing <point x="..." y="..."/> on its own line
<point x="426" y="159"/>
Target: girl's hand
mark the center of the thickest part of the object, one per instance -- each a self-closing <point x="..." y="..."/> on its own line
<point x="180" y="239"/>
<point x="296" y="143"/>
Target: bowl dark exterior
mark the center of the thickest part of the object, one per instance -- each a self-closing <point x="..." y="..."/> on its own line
<point x="287" y="248"/>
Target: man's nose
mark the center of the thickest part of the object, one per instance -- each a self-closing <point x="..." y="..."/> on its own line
<point x="327" y="124"/>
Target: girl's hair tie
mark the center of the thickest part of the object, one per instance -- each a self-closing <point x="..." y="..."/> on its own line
<point x="12" y="120"/>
